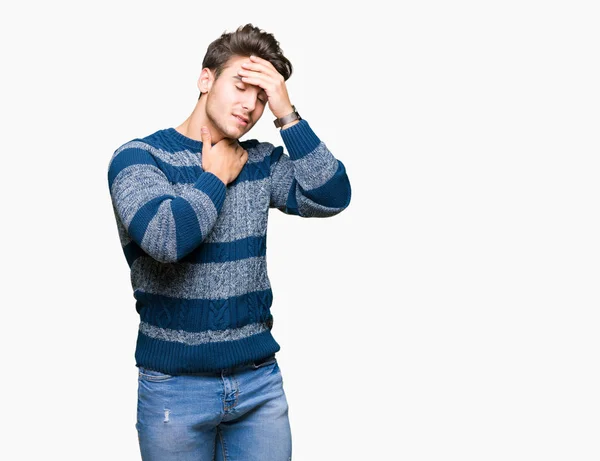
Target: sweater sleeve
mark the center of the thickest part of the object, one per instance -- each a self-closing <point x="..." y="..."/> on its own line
<point x="166" y="225"/>
<point x="310" y="181"/>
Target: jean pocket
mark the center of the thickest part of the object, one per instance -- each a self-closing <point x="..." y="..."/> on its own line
<point x="152" y="375"/>
<point x="264" y="362"/>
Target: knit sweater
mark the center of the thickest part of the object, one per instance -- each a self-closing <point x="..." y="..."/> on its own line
<point x="196" y="248"/>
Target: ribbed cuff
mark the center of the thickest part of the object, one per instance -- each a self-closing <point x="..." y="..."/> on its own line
<point x="299" y="139"/>
<point x="212" y="186"/>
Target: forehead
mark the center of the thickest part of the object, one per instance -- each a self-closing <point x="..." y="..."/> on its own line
<point x="230" y="71"/>
<point x="234" y="64"/>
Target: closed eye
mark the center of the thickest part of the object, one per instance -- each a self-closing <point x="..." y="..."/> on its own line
<point x="244" y="89"/>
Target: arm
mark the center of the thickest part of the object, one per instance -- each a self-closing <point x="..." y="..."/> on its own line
<point x="310" y="182"/>
<point x="165" y="225"/>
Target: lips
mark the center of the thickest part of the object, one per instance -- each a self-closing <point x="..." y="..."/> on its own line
<point x="240" y="118"/>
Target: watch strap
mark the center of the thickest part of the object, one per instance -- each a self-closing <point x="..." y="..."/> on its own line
<point x="279" y="122"/>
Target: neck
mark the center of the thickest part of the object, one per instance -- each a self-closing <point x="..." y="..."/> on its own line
<point x="196" y="120"/>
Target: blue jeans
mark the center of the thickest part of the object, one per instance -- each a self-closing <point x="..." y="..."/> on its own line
<point x="237" y="414"/>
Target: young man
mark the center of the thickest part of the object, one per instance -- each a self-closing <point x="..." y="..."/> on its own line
<point x="191" y="205"/>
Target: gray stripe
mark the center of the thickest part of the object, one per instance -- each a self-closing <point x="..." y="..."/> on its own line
<point x="179" y="187"/>
<point x="203" y="207"/>
<point x="244" y="212"/>
<point x="202" y="337"/>
<point x="134" y="186"/>
<point x="179" y="158"/>
<point x="259" y="152"/>
<point x="308" y="208"/>
<point x="160" y="239"/>
<point x="315" y="169"/>
<point x="202" y="280"/>
<point x="282" y="174"/>
<point x="123" y="235"/>
<point x="117" y="152"/>
<point x="186" y="157"/>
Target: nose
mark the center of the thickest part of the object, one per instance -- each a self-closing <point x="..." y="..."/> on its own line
<point x="249" y="102"/>
<point x="249" y="105"/>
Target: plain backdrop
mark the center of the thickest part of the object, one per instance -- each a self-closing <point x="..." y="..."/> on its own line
<point x="450" y="313"/>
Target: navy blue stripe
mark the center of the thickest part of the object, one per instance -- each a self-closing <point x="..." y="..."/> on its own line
<point x="291" y="203"/>
<point x="213" y="187"/>
<point x="187" y="227"/>
<point x="132" y="252"/>
<point x="300" y="140"/>
<point x="249" y="143"/>
<point x="213" y="252"/>
<point x="195" y="315"/>
<point x="254" y="171"/>
<point x="335" y="193"/>
<point x="277" y="152"/>
<point x="175" y="358"/>
<point x="219" y="252"/>
<point x="139" y="223"/>
<point x="128" y="157"/>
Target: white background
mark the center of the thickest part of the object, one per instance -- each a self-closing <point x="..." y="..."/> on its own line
<point x="451" y="312"/>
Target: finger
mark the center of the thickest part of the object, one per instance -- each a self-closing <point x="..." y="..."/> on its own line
<point x="258" y="70"/>
<point x="255" y="78"/>
<point x="263" y="62"/>
<point x="260" y="67"/>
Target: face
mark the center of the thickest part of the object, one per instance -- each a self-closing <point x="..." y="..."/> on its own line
<point x="230" y="99"/>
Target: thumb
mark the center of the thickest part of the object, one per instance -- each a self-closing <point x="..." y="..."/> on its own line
<point x="205" y="134"/>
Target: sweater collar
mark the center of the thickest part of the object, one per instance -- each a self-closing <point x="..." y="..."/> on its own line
<point x="197" y="145"/>
<point x="182" y="139"/>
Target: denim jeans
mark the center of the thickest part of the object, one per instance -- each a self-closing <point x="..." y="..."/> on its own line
<point x="237" y="414"/>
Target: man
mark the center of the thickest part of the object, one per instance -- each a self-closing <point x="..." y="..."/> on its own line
<point x="191" y="205"/>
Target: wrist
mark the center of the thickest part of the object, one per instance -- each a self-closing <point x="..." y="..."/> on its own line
<point x="286" y="120"/>
<point x="222" y="177"/>
<point x="287" y="125"/>
<point x="282" y="113"/>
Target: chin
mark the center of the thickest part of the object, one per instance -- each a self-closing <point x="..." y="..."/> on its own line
<point x="236" y="134"/>
<point x="231" y="133"/>
<point x="241" y="132"/>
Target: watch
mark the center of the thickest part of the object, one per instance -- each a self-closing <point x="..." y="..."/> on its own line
<point x="279" y="122"/>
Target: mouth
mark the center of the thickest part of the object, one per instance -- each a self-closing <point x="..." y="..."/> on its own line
<point x="241" y="120"/>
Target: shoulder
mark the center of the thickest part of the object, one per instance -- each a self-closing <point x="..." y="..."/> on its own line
<point x="259" y="151"/>
<point x="149" y="144"/>
<point x="256" y="148"/>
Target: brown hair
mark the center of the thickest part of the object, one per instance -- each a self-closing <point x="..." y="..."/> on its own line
<point x="245" y="41"/>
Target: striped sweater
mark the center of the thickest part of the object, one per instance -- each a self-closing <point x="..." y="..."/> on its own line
<point x="197" y="248"/>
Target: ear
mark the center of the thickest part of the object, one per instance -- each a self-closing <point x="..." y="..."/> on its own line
<point x="206" y="80"/>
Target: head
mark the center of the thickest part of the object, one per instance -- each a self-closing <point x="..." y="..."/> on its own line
<point x="223" y="95"/>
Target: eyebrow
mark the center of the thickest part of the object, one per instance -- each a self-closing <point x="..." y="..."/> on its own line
<point x="237" y="77"/>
